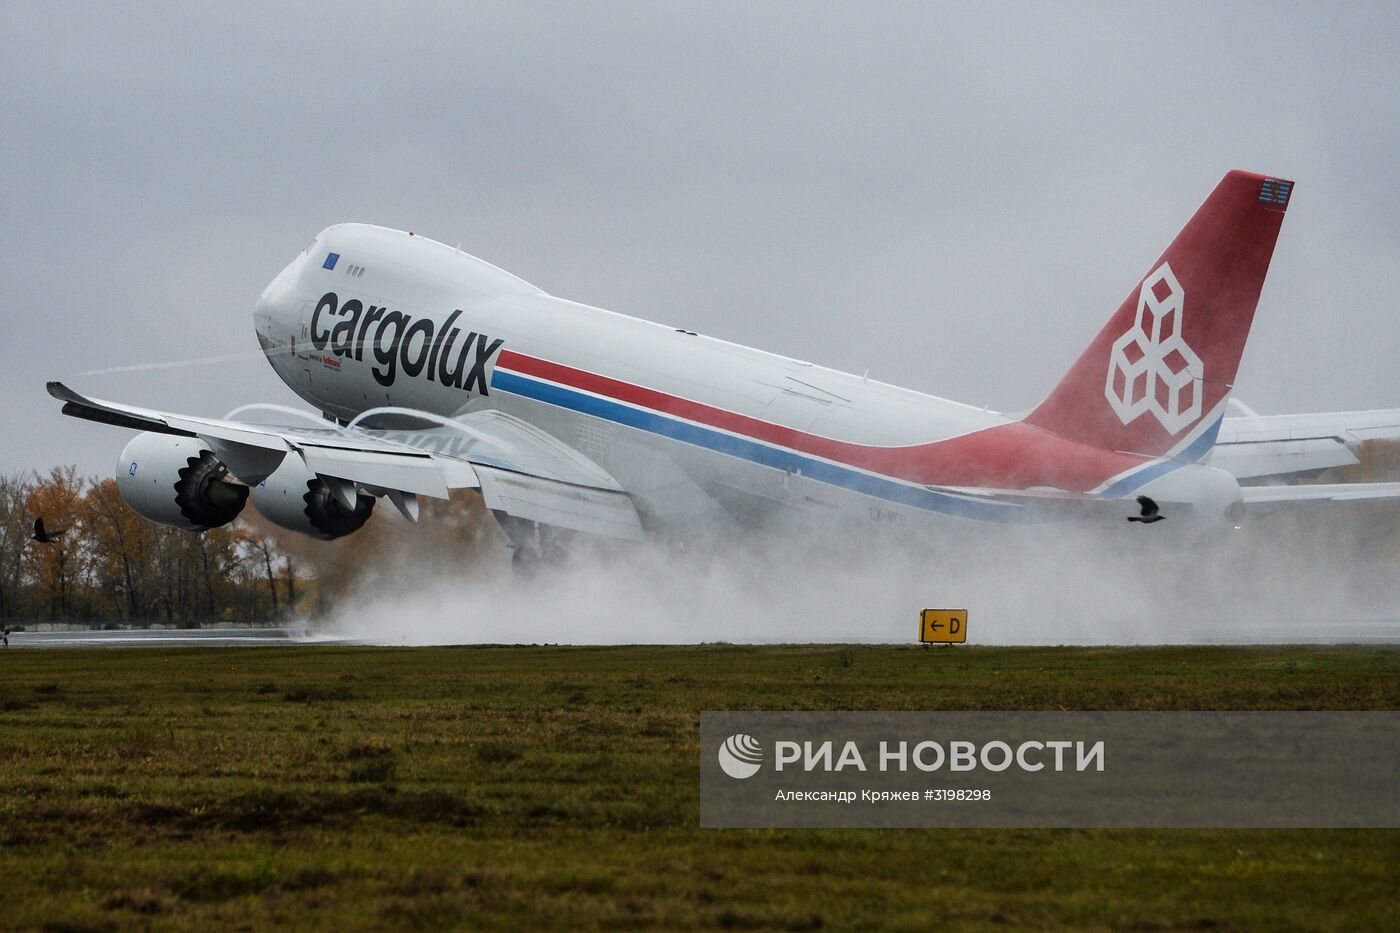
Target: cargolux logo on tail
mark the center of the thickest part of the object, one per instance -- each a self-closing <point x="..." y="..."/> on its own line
<point x="1151" y="367"/>
<point x="740" y="756"/>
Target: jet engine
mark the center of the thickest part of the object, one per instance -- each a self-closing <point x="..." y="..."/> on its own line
<point x="299" y="500"/>
<point x="178" y="481"/>
<point x="1202" y="503"/>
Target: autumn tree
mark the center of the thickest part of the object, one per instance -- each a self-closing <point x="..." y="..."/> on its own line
<point x="15" y="526"/>
<point x="259" y="538"/>
<point x="121" y="547"/>
<point x="58" y="566"/>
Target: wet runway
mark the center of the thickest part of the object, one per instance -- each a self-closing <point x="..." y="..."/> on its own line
<point x="1302" y="631"/>
<point x="1371" y="631"/>
<point x="162" y="638"/>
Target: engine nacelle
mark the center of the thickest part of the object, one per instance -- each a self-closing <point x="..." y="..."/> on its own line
<point x="1215" y="503"/>
<point x="299" y="500"/>
<point x="178" y="481"/>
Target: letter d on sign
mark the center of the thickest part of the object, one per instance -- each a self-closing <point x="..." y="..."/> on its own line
<point x="943" y="626"/>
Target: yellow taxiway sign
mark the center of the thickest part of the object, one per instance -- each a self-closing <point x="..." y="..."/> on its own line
<point x="943" y="626"/>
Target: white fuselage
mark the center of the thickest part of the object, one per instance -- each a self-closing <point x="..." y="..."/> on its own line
<point x="684" y="422"/>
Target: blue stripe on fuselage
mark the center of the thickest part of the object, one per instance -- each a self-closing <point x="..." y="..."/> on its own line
<point x="1192" y="454"/>
<point x="780" y="458"/>
<point x="754" y="452"/>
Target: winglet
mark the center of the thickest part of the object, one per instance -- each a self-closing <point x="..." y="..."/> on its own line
<point x="79" y="406"/>
<point x="61" y="392"/>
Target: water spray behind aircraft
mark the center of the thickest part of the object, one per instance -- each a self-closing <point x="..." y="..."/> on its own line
<point x="1282" y="578"/>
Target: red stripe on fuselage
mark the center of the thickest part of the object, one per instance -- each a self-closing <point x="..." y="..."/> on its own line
<point x="1007" y="456"/>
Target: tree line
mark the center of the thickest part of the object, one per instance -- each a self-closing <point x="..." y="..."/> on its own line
<point x="111" y="565"/>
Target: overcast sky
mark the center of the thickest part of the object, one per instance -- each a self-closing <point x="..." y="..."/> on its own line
<point x="952" y="197"/>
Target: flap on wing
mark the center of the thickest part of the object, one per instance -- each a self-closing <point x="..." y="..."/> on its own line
<point x="580" y="508"/>
<point x="407" y="471"/>
<point x="1375" y="432"/>
<point x="458" y="474"/>
<point x="248" y="463"/>
<point x="496" y="439"/>
<point x="1321" y="492"/>
<point x="1270" y="458"/>
<point x="1345" y="426"/>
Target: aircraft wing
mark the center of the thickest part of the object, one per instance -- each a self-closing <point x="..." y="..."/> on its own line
<point x="1257" y="499"/>
<point x="519" y="469"/>
<point x="1274" y="445"/>
<point x="1280" y="496"/>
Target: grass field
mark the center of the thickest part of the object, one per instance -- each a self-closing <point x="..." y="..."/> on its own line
<point x="507" y="788"/>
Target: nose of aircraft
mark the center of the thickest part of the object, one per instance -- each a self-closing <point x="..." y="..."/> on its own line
<point x="271" y="313"/>
<point x="262" y="320"/>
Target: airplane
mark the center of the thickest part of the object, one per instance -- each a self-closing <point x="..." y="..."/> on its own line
<point x="434" y="370"/>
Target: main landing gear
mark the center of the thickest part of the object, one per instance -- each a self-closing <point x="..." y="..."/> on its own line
<point x="534" y="547"/>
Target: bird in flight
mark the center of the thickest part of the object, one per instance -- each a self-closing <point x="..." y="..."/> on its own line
<point x="1150" y="512"/>
<point x="46" y="537"/>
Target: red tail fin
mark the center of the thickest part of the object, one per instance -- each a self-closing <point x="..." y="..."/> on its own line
<point x="1155" y="379"/>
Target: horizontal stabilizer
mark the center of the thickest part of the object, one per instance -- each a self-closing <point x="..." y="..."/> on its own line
<point x="1277" y="445"/>
<point x="1278" y="458"/>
